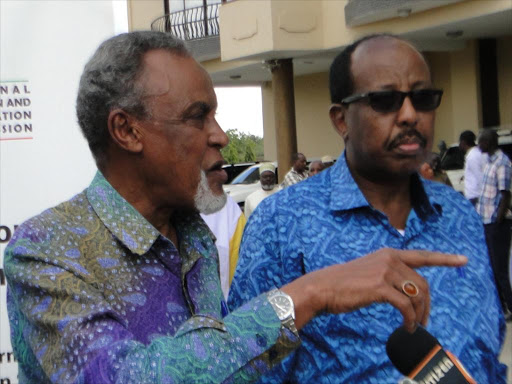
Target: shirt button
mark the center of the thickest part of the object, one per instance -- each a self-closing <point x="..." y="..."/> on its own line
<point x="261" y="341"/>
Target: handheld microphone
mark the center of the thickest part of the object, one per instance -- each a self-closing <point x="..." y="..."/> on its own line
<point x="419" y="356"/>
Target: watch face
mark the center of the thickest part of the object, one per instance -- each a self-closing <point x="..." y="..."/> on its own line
<point x="282" y="306"/>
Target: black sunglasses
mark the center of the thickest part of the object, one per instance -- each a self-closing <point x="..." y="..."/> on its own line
<point x="391" y="101"/>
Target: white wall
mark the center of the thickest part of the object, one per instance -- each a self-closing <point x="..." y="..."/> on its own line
<point x="44" y="46"/>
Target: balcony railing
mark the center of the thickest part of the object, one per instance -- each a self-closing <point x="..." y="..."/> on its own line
<point x="190" y="24"/>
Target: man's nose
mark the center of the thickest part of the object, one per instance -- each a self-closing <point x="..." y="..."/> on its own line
<point x="407" y="114"/>
<point x="217" y="137"/>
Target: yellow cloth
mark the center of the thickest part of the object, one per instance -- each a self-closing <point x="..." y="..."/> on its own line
<point x="234" y="246"/>
<point x="227" y="225"/>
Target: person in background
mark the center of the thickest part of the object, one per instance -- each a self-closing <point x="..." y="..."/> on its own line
<point x="431" y="170"/>
<point x="315" y="167"/>
<point x="327" y="161"/>
<point x="298" y="172"/>
<point x="268" y="187"/>
<point x="120" y="284"/>
<point x="227" y="226"/>
<point x="473" y="166"/>
<point x="383" y="106"/>
<point x="426" y="171"/>
<point x="494" y="208"/>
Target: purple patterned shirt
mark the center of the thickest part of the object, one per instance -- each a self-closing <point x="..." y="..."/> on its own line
<point x="97" y="295"/>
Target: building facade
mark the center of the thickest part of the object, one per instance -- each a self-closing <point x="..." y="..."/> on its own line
<point x="468" y="44"/>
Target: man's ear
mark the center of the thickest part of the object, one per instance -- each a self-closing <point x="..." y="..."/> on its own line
<point x="337" y="113"/>
<point x="124" y="131"/>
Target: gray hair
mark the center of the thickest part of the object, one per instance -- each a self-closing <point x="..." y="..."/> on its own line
<point x="109" y="81"/>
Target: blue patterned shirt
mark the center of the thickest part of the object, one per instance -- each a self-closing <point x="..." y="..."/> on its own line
<point x="326" y="220"/>
<point x="97" y="295"/>
<point x="496" y="178"/>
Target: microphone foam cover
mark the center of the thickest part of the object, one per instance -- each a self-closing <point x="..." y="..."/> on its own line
<point x="407" y="350"/>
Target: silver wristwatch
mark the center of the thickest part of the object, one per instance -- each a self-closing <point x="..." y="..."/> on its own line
<point x="283" y="306"/>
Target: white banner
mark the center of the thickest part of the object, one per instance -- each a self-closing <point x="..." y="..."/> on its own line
<point x="44" y="159"/>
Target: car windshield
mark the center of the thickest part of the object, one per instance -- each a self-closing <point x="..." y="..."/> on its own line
<point x="249" y="176"/>
<point x="452" y="159"/>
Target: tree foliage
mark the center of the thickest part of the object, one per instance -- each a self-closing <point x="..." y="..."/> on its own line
<point x="242" y="147"/>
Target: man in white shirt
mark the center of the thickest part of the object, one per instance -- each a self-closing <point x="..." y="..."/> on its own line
<point x="268" y="187"/>
<point x="473" y="166"/>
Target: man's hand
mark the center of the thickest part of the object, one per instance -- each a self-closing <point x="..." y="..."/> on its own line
<point x="503" y="206"/>
<point x="374" y="278"/>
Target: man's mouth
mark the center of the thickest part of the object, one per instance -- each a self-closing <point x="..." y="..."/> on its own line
<point x="217" y="171"/>
<point x="408" y="143"/>
<point x="409" y="147"/>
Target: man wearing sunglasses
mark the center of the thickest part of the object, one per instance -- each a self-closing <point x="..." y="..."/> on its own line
<point x="121" y="283"/>
<point x="383" y="106"/>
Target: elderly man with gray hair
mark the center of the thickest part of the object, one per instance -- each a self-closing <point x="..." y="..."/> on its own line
<point x="121" y="284"/>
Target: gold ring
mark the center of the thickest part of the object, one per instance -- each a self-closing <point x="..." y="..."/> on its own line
<point x="410" y="289"/>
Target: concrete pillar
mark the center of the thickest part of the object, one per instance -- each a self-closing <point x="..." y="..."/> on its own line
<point x="284" y="112"/>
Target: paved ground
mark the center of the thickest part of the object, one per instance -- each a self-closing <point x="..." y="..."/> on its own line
<point x="506" y="354"/>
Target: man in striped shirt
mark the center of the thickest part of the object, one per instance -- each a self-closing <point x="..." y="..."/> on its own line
<point x="298" y="172"/>
<point x="493" y="206"/>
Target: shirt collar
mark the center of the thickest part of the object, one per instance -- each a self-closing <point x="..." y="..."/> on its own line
<point x="196" y="238"/>
<point x="120" y="217"/>
<point x="494" y="157"/>
<point x="346" y="195"/>
<point x="297" y="173"/>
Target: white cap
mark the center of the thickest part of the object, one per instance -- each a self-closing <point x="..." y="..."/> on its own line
<point x="267" y="167"/>
<point x="327" y="159"/>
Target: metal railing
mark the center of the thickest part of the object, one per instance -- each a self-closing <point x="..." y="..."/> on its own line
<point x="190" y="24"/>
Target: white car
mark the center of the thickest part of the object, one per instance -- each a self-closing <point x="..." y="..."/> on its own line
<point x="244" y="184"/>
